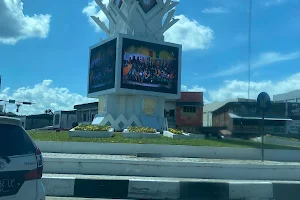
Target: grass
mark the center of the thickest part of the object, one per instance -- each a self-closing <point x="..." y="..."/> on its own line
<point x="285" y="138"/>
<point x="64" y="137"/>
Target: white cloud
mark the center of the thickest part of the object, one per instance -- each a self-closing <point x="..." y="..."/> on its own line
<point x="48" y="97"/>
<point x="190" y="34"/>
<point x="215" y="10"/>
<point x="45" y="96"/>
<point x="195" y="88"/>
<point x="235" y="88"/>
<point x="273" y="2"/>
<point x="15" y="26"/>
<point x="263" y="60"/>
<point x="187" y="32"/>
<point x="92" y="9"/>
<point x="274" y="57"/>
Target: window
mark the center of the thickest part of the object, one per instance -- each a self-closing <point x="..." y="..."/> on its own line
<point x="79" y="116"/>
<point x="14" y="141"/>
<point x="172" y="113"/>
<point x="189" y="109"/>
<point x="56" y="119"/>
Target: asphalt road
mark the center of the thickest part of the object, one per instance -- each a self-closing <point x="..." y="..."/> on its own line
<point x="72" y="198"/>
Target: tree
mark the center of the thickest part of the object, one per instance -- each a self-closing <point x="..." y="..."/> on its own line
<point x="49" y="112"/>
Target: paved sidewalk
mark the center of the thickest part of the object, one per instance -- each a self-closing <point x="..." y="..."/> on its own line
<point x="73" y="198"/>
<point x="163" y="159"/>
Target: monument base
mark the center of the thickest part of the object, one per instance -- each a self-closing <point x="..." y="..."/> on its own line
<point x="121" y="111"/>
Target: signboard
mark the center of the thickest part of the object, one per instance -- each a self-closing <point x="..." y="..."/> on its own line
<point x="256" y="129"/>
<point x="263" y="101"/>
<point x="263" y="104"/>
<point x="293" y="127"/>
<point x="294" y="109"/>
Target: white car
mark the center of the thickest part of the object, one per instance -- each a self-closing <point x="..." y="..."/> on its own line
<point x="21" y="163"/>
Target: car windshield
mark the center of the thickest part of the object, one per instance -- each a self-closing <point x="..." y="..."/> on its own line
<point x="14" y="141"/>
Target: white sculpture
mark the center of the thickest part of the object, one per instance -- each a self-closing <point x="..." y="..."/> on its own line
<point x="147" y="19"/>
<point x="141" y="18"/>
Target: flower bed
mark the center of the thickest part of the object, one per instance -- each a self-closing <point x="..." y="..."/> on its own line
<point x="179" y="134"/>
<point x="91" y="131"/>
<point x="174" y="133"/>
<point x="140" y="132"/>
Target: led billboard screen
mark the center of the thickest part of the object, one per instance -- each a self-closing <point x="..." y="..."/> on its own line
<point x="102" y="67"/>
<point x="149" y="66"/>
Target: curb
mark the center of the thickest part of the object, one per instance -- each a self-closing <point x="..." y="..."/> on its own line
<point x="169" y="167"/>
<point x="158" y="189"/>
<point x="168" y="151"/>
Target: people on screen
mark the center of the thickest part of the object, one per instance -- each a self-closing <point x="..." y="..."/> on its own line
<point x="143" y="69"/>
<point x="102" y="67"/>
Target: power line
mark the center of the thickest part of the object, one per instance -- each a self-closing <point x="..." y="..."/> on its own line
<point x="249" y="47"/>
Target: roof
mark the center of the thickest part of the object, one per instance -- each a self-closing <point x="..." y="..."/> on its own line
<point x="216" y="105"/>
<point x="234" y="116"/>
<point x="86" y="105"/>
<point x="287" y="96"/>
<point x="191" y="97"/>
<point x="40" y="116"/>
<point x="10" y="120"/>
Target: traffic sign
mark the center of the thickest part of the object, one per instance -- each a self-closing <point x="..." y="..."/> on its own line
<point x="11" y="101"/>
<point x="263" y="101"/>
<point x="263" y="104"/>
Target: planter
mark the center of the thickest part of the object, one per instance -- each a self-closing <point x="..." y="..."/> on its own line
<point x="91" y="134"/>
<point x="184" y="135"/>
<point x="175" y="136"/>
<point x="140" y="135"/>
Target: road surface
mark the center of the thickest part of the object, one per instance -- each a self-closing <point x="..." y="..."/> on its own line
<point x="72" y="198"/>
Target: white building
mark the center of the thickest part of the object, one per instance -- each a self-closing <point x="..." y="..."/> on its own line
<point x="293" y="97"/>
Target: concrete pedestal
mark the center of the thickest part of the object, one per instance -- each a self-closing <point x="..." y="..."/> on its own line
<point x="121" y="111"/>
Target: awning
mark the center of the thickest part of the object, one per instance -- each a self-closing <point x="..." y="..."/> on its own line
<point x="234" y="116"/>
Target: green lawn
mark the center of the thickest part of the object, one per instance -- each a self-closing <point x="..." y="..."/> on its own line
<point x="64" y="137"/>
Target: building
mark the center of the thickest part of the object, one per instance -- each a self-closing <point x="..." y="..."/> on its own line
<point x="86" y="112"/>
<point x="209" y="108"/>
<point x="185" y="113"/>
<point x="189" y="111"/>
<point x="243" y="118"/>
<point x="293" y="97"/>
<point x="36" y="121"/>
<point x="64" y="120"/>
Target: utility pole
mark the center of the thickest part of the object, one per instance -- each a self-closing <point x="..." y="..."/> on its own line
<point x="249" y="48"/>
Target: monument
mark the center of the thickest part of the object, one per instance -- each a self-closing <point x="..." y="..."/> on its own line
<point x="133" y="71"/>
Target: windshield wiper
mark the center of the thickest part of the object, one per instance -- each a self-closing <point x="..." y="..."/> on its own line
<point x="6" y="158"/>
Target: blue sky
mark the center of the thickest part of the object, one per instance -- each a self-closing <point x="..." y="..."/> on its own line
<point x="44" y="48"/>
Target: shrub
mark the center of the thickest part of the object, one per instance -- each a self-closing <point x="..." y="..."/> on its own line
<point x="139" y="129"/>
<point x="89" y="127"/>
<point x="175" y="131"/>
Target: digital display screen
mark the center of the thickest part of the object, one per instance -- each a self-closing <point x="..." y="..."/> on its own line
<point x="102" y="67"/>
<point x="149" y="66"/>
